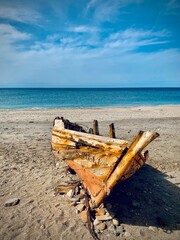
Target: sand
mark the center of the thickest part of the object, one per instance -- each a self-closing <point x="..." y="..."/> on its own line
<point x="147" y="204"/>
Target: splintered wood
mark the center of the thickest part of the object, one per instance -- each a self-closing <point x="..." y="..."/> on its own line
<point x="99" y="161"/>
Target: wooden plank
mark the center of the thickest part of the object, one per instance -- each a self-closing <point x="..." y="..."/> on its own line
<point x="96" y="160"/>
<point x="91" y="182"/>
<point x="112" y="131"/>
<point x="88" y="139"/>
<point x="95" y="127"/>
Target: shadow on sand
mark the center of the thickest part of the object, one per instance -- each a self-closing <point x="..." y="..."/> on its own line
<point x="146" y="199"/>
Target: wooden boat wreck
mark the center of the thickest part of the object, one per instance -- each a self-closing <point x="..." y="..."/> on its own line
<point x="100" y="162"/>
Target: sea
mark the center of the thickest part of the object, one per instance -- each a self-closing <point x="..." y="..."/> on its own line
<point x="39" y="98"/>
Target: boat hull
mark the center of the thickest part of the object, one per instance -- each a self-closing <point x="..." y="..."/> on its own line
<point x="100" y="162"/>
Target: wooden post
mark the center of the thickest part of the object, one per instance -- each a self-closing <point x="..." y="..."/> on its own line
<point x="95" y="127"/>
<point x="112" y="131"/>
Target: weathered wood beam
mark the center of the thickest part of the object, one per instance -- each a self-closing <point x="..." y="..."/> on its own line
<point x="87" y="139"/>
<point x="95" y="127"/>
<point x="112" y="131"/>
<point x="127" y="162"/>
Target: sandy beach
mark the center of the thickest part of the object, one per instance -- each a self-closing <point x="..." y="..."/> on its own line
<point x="147" y="204"/>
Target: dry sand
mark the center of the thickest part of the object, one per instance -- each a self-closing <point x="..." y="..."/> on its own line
<point x="147" y="204"/>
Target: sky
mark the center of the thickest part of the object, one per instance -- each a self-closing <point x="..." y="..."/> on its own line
<point x="89" y="43"/>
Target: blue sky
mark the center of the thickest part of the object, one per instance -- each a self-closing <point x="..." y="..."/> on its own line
<point x="95" y="43"/>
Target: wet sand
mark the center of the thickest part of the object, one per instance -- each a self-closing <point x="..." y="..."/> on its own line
<point x="147" y="204"/>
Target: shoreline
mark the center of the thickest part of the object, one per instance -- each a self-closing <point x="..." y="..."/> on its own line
<point x="88" y="108"/>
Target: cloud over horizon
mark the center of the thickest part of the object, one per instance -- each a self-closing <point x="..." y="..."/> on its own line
<point x="94" y="44"/>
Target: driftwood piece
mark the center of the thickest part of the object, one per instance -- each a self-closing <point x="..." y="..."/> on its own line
<point x="63" y="188"/>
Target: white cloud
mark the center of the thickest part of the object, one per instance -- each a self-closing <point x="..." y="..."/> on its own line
<point x="91" y="4"/>
<point x="83" y="29"/>
<point x="68" y="61"/>
<point x="136" y="33"/>
<point x="130" y="39"/>
<point x="127" y="40"/>
<point x="58" y="67"/>
<point x="107" y="10"/>
<point x="20" y="14"/>
<point x="83" y="35"/>
<point x="115" y="3"/>
<point x="171" y="8"/>
<point x="131" y="33"/>
<point x="11" y="34"/>
<point x="173" y="4"/>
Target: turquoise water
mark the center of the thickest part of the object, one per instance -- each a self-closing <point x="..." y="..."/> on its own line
<point x="79" y="98"/>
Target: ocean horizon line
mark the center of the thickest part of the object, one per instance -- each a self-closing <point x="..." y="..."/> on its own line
<point x="89" y="87"/>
